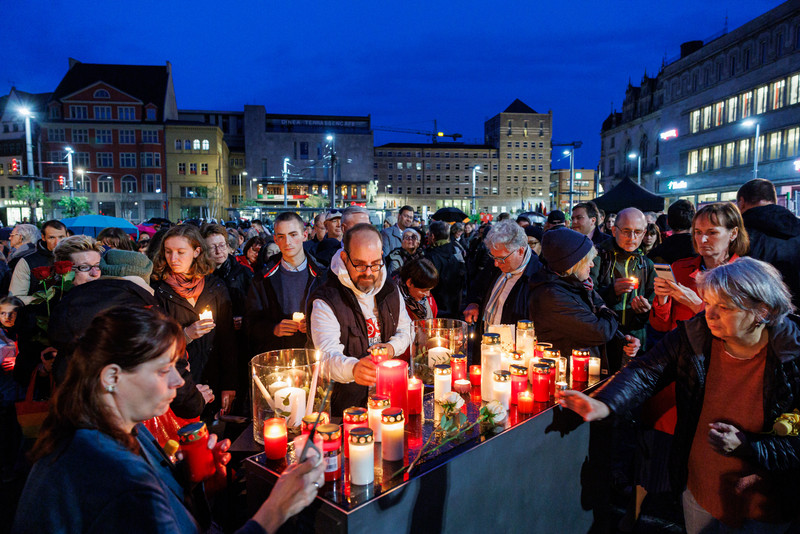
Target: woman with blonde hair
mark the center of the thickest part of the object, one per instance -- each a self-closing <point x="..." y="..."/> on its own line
<point x="84" y="253"/>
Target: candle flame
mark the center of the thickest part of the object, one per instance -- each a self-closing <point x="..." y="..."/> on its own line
<point x="317" y="356"/>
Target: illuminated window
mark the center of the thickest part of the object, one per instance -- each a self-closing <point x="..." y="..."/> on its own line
<point x="778" y="88"/>
<point x="762" y="96"/>
<point x="704" y="159"/>
<point x="792" y="137"/>
<point x="730" y="154"/>
<point x="707" y="117"/>
<point x="744" y="151"/>
<point x="196" y="144"/>
<point x="205" y="144"/>
<point x="719" y="113"/>
<point x="694" y="123"/>
<point x="794" y="88"/>
<point x="716" y="161"/>
<point x="775" y="145"/>
<point x="746" y="104"/>
<point x="692" y="160"/>
<point x="732" y="109"/>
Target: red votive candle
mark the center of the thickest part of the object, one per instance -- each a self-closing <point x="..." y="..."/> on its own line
<point x="199" y="458"/>
<point x="525" y="402"/>
<point x="519" y="381"/>
<point x="541" y="382"/>
<point x="275" y="440"/>
<point x="539" y="348"/>
<point x="462" y="386"/>
<point x="635" y="281"/>
<point x="458" y="367"/>
<point x="414" y="396"/>
<point x="353" y="417"/>
<point x="393" y="383"/>
<point x="331" y="450"/>
<point x="580" y="365"/>
<point x="553" y="374"/>
<point x="475" y="375"/>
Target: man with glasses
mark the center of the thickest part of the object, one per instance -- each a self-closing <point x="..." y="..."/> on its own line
<point x="449" y="263"/>
<point x="357" y="309"/>
<point x="504" y="298"/>
<point x="623" y="276"/>
<point x="392" y="237"/>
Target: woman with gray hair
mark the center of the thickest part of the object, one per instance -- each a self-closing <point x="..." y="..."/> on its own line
<point x="736" y="369"/>
<point x="407" y="251"/>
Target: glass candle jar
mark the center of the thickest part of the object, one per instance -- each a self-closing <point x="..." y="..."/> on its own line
<point x="458" y="366"/>
<point x="393" y="422"/>
<point x="275" y="438"/>
<point x="502" y="388"/>
<point x="516" y="357"/>
<point x="553" y="373"/>
<point x="462" y="386"/>
<point x="299" y="444"/>
<point x="491" y="358"/>
<point x="354" y="417"/>
<point x="199" y="458"/>
<point x="415" y="391"/>
<point x="308" y="423"/>
<point x="594" y="366"/>
<point x="441" y="381"/>
<point x="538" y="350"/>
<point x="541" y="382"/>
<point x="519" y="381"/>
<point x="331" y="450"/>
<point x="393" y="382"/>
<point x="475" y="375"/>
<point x="362" y="456"/>
<point x="526" y="339"/>
<point x="580" y="365"/>
<point x="525" y="402"/>
<point x="375" y="406"/>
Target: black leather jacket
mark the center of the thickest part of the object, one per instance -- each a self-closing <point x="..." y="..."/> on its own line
<point x="683" y="356"/>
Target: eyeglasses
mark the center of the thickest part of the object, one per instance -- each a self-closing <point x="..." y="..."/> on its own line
<point x="410" y="238"/>
<point x="631" y="233"/>
<point x="503" y="259"/>
<point x="375" y="267"/>
<point x="85" y="268"/>
<point x="217" y="248"/>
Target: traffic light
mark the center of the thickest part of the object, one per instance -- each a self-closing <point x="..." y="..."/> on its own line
<point x="61" y="181"/>
<point x="15" y="166"/>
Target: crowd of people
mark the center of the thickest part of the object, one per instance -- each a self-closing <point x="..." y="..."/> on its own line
<point x="109" y="330"/>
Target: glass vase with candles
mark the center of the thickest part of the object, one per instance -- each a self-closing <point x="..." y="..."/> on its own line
<point x="491" y="361"/>
<point x="434" y="342"/>
<point x="526" y="339"/>
<point x="288" y="383"/>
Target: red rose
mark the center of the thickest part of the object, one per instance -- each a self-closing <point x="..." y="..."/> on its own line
<point x="63" y="267"/>
<point x="43" y="273"/>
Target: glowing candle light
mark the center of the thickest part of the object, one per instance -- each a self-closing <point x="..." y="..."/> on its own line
<point x="594" y="366"/>
<point x="393" y="423"/>
<point x="526" y="339"/>
<point x="458" y="366"/>
<point x="519" y="381"/>
<point x="580" y="365"/>
<point x="298" y="316"/>
<point x="206" y="314"/>
<point x="441" y="381"/>
<point x="362" y="456"/>
<point x="393" y="382"/>
<point x="475" y="375"/>
<point x="541" y="382"/>
<point x="375" y="407"/>
<point x="354" y="417"/>
<point x="491" y="360"/>
<point x="502" y="388"/>
<point x="414" y="396"/>
<point x="463" y="386"/>
<point x="275" y="438"/>
<point x="525" y="402"/>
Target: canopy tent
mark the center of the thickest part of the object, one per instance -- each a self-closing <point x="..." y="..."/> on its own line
<point x="91" y="225"/>
<point x="628" y="194"/>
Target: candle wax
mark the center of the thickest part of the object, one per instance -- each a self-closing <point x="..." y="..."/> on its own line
<point x="392" y="445"/>
<point x="438" y="355"/>
<point x="490" y="362"/>
<point x="362" y="464"/>
<point x="594" y="366"/>
<point x="502" y="393"/>
<point x="291" y="403"/>
<point x="275" y="440"/>
<point x="414" y="396"/>
<point x="475" y="375"/>
<point x="525" y="403"/>
<point x="441" y="386"/>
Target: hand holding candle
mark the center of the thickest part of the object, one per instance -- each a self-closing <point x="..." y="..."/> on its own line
<point x="206" y="315"/>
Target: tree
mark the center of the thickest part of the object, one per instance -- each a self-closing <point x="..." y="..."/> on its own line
<point x="316" y="201"/>
<point x="32" y="195"/>
<point x="74" y="206"/>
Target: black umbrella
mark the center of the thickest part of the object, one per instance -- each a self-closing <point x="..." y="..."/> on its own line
<point x="449" y="215"/>
<point x="159" y="220"/>
<point x="628" y="194"/>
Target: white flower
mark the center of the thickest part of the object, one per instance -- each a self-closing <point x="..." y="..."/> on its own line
<point x="496" y="412"/>
<point x="452" y="402"/>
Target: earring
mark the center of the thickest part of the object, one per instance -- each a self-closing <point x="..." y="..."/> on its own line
<point x="110" y="388"/>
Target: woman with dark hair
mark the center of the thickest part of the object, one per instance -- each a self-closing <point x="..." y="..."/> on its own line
<point x="250" y="252"/>
<point x="652" y="238"/>
<point x="115" y="238"/>
<point x="185" y="288"/>
<point x="98" y="469"/>
<point x="416" y="279"/>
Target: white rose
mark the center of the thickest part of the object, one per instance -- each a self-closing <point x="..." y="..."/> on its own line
<point x="453" y="399"/>
<point x="497" y="410"/>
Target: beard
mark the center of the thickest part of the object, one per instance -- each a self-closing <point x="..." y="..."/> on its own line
<point x="366" y="283"/>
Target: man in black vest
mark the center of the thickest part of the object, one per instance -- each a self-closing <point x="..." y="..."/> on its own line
<point x="23" y="283"/>
<point x="358" y="307"/>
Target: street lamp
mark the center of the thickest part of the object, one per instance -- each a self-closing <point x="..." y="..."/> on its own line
<point x="285" y="178"/>
<point x="243" y="176"/>
<point x="475" y="170"/>
<point x="638" y="158"/>
<point x="69" y="169"/>
<point x="571" y="154"/>
<point x="329" y="138"/>
<point x="748" y="123"/>
<point x="25" y="112"/>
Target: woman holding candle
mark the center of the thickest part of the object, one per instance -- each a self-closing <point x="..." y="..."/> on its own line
<point x="185" y="288"/>
<point x="736" y="368"/>
<point x="97" y="465"/>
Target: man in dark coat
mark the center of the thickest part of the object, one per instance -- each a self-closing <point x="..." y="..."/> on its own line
<point x="449" y="262"/>
<point x="585" y="218"/>
<point x="23" y="283"/>
<point x="679" y="244"/>
<point x="774" y="231"/>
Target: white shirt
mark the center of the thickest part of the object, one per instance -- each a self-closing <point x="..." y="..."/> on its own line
<point x="497" y="316"/>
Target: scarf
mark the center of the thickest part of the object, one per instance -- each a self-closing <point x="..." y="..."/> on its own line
<point x="188" y="288"/>
<point x="416" y="309"/>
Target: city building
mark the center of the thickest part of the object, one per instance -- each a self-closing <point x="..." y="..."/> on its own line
<point x="584" y="187"/>
<point x="695" y="125"/>
<point x="196" y="171"/>
<point x="514" y="173"/>
<point x="13" y="150"/>
<point x="112" y="117"/>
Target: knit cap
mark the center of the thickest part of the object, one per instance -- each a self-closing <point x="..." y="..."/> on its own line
<point x="120" y="263"/>
<point x="563" y="248"/>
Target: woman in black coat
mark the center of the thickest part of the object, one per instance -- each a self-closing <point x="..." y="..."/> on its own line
<point x="185" y="288"/>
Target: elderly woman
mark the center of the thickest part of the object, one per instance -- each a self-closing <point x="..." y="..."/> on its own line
<point x="415" y="280"/>
<point x="719" y="237"/>
<point x="407" y="251"/>
<point x="185" y="288"/>
<point x="98" y="469"/>
<point x="564" y="310"/>
<point x="84" y="253"/>
<point x="736" y="368"/>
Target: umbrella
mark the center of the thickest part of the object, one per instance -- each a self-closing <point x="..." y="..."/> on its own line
<point x="534" y="217"/>
<point x="449" y="215"/>
<point x="146" y="229"/>
<point x="628" y="194"/>
<point x="91" y="225"/>
<point x="159" y="220"/>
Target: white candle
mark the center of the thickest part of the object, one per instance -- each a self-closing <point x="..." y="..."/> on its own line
<point x="502" y="388"/>
<point x="362" y="457"/>
<point x="277" y="385"/>
<point x="206" y="314"/>
<point x="393" y="423"/>
<point x="298" y="316"/>
<point x="312" y="391"/>
<point x="442" y="380"/>
<point x="375" y="407"/>
<point x="438" y="355"/>
<point x="526" y="338"/>
<point x="290" y="403"/>
<point x="594" y="366"/>
<point x="506" y="332"/>
<point x="491" y="354"/>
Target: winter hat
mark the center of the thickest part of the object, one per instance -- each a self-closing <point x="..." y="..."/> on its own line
<point x="563" y="248"/>
<point x="556" y="217"/>
<point x="534" y="231"/>
<point x="5" y="233"/>
<point x="117" y="262"/>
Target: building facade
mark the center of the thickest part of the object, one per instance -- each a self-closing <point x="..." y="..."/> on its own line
<point x="514" y="172"/>
<point x="584" y="187"/>
<point x="708" y="103"/>
<point x="196" y="171"/>
<point x="113" y="119"/>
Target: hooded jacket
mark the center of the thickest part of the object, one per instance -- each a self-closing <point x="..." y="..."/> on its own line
<point x="683" y="356"/>
<point x="344" y="322"/>
<point x="775" y="238"/>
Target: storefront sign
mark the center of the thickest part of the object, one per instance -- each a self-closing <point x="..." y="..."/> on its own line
<point x="669" y="134"/>
<point x="672" y="185"/>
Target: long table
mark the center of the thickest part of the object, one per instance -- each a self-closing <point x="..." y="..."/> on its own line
<point x="524" y="476"/>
